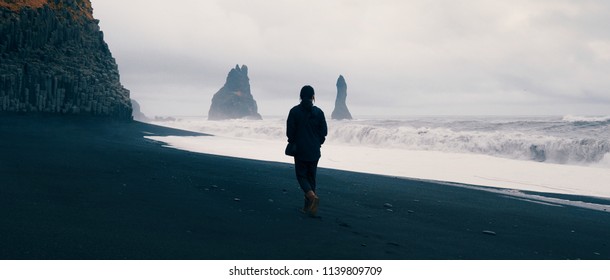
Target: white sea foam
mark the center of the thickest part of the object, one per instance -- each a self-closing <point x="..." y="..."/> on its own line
<point x="446" y="150"/>
<point x="572" y="118"/>
<point x="551" y="140"/>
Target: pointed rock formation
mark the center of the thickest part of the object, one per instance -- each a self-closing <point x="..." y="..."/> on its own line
<point x="234" y="100"/>
<point x="341" y="112"/>
<point x="53" y="59"/>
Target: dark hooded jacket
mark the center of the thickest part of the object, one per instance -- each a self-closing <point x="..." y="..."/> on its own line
<point x="306" y="126"/>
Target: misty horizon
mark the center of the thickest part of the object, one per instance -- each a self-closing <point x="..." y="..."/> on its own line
<point x="398" y="58"/>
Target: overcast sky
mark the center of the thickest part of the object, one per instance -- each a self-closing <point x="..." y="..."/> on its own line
<point x="423" y="57"/>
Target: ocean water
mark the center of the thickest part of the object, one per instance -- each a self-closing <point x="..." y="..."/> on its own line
<point x="573" y="140"/>
<point x="560" y="155"/>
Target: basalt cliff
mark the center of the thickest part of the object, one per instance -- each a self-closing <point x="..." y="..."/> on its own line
<point x="54" y="60"/>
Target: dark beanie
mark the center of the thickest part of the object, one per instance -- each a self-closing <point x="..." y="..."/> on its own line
<point x="307" y="93"/>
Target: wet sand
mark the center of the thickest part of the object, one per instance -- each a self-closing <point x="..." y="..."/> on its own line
<point x="86" y="188"/>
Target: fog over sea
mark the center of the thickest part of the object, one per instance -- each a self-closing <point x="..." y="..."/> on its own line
<point x="558" y="154"/>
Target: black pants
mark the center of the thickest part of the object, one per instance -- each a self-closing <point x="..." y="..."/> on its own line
<point x="306" y="174"/>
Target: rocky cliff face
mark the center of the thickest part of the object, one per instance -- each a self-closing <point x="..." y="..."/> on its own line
<point x="341" y="112"/>
<point x="234" y="100"/>
<point x="54" y="60"/>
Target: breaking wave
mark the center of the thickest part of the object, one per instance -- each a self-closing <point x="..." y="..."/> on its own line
<point x="563" y="140"/>
<point x="509" y="144"/>
<point x="585" y="119"/>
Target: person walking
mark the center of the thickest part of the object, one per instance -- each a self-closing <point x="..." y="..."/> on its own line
<point x="306" y="128"/>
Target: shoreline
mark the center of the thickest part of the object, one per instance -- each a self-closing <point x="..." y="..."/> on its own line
<point x="592" y="202"/>
<point x="88" y="189"/>
<point x="460" y="168"/>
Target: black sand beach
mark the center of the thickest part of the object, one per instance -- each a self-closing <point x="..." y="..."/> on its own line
<point x="74" y="188"/>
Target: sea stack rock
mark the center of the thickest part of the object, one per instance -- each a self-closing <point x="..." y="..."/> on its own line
<point x="137" y="114"/>
<point x="53" y="59"/>
<point x="234" y="100"/>
<point x="341" y="112"/>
